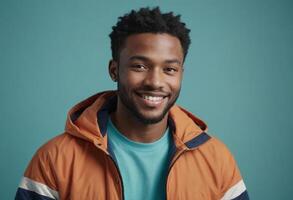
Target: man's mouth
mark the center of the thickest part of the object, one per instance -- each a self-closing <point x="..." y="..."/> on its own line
<point x="152" y="100"/>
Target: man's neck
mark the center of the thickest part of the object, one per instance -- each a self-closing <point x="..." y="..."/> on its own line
<point x="135" y="130"/>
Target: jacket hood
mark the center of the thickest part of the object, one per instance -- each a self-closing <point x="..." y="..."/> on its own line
<point x="88" y="120"/>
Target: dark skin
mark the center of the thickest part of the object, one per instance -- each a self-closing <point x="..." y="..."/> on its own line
<point x="149" y="75"/>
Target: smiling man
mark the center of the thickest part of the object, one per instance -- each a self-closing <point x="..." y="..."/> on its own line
<point x="135" y="143"/>
<point x="149" y="73"/>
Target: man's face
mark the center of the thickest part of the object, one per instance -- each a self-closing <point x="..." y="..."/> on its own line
<point x="149" y="75"/>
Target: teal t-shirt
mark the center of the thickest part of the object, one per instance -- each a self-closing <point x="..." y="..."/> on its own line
<point x="143" y="166"/>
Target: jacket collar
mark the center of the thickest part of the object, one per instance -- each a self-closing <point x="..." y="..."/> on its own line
<point x="88" y="120"/>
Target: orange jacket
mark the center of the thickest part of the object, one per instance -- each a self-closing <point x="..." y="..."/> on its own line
<point x="77" y="165"/>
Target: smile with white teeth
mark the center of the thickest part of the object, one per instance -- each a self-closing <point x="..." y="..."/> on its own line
<point x="152" y="98"/>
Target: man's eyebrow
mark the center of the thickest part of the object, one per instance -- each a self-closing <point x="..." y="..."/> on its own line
<point x="173" y="61"/>
<point x="143" y="58"/>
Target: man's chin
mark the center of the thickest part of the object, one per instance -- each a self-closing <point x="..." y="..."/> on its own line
<point x="150" y="119"/>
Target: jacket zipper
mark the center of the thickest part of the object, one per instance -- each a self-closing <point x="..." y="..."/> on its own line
<point x="117" y="169"/>
<point x="120" y="176"/>
<point x="170" y="167"/>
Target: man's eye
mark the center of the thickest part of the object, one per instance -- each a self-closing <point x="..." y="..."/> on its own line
<point x="139" y="67"/>
<point x="171" y="70"/>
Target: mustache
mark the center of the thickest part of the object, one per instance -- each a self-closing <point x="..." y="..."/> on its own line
<point x="152" y="91"/>
<point x="149" y="88"/>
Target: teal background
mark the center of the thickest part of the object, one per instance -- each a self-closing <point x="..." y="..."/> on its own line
<point x="238" y="78"/>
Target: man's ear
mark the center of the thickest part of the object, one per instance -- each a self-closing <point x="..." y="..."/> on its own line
<point x="113" y="70"/>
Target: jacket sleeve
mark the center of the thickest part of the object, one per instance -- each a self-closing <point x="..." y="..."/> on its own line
<point x="232" y="187"/>
<point x="38" y="182"/>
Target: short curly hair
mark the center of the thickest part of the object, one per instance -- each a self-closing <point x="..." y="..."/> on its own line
<point x="147" y="20"/>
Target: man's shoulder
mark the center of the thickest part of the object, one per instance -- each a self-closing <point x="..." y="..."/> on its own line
<point x="216" y="146"/>
<point x="58" y="145"/>
<point x="216" y="151"/>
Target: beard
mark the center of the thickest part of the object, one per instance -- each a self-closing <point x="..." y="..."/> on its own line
<point x="133" y="108"/>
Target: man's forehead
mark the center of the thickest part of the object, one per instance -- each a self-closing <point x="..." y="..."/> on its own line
<point x="147" y="44"/>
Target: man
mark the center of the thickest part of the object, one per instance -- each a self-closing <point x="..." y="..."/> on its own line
<point x="134" y="143"/>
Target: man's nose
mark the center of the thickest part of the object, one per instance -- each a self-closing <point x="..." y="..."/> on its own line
<point x="154" y="78"/>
